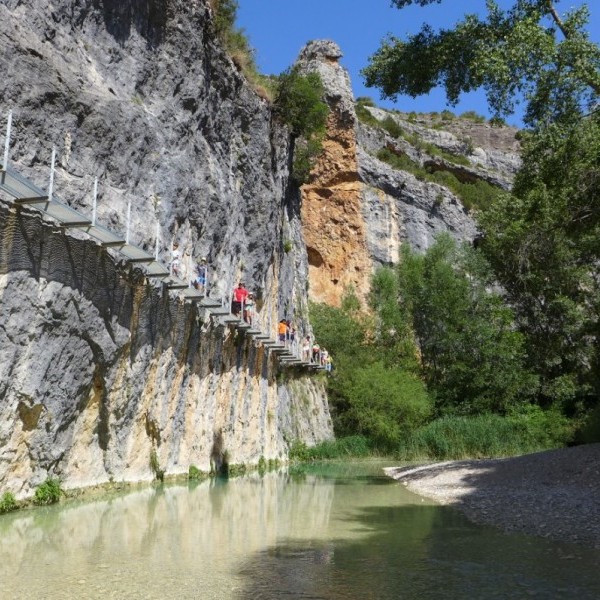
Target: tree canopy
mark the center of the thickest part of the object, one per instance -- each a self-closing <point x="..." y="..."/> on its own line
<point x="529" y="50"/>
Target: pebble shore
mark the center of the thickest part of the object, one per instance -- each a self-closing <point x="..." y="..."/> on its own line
<point x="553" y="494"/>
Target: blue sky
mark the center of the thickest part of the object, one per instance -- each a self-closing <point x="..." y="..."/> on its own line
<point x="278" y="29"/>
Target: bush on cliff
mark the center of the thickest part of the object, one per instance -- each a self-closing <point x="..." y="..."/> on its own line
<point x="48" y="492"/>
<point x="7" y="502"/>
<point x="299" y="103"/>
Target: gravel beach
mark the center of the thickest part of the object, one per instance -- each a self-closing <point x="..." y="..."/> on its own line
<point x="553" y="494"/>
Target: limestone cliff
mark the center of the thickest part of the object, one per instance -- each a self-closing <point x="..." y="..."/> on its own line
<point x="357" y="210"/>
<point x="100" y="367"/>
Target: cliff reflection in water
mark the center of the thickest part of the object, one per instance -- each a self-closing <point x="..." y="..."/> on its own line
<point x="170" y="541"/>
<point x="337" y="532"/>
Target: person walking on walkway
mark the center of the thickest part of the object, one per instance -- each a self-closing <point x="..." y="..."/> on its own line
<point x="201" y="271"/>
<point x="249" y="309"/>
<point x="282" y="330"/>
<point x="316" y="353"/>
<point x="306" y="349"/>
<point x="240" y="294"/>
<point x="175" y="260"/>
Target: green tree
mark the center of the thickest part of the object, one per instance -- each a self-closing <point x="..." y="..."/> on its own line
<point x="299" y="103"/>
<point x="472" y="356"/>
<point x="542" y="239"/>
<point x="382" y="404"/>
<point x="544" y="243"/>
<point x="369" y="393"/>
<point x="527" y="50"/>
<point x="393" y="333"/>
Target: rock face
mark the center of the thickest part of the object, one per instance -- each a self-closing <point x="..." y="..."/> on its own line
<point x="100" y="368"/>
<point x="106" y="376"/>
<point x="333" y="223"/>
<point x="357" y="210"/>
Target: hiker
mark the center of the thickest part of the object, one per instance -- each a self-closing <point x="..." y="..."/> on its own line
<point x="249" y="309"/>
<point x="240" y="294"/>
<point x="175" y="259"/>
<point x="282" y="330"/>
<point x="324" y="357"/>
<point x="306" y="349"/>
<point x="316" y="353"/>
<point x="201" y="271"/>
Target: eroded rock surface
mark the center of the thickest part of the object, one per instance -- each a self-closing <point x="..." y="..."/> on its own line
<point x="100" y="367"/>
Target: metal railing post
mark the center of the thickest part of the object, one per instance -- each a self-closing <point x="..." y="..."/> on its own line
<point x="51" y="184"/>
<point x="7" y="141"/>
<point x="94" y="202"/>
<point x="128" y="221"/>
<point x="157" y="240"/>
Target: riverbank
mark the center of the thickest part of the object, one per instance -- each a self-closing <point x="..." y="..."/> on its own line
<point x="553" y="494"/>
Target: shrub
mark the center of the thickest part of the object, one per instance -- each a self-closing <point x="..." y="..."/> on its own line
<point x="194" y="473"/>
<point x="365" y="101"/>
<point x="364" y="116"/>
<point x="383" y="404"/>
<point x="48" y="492"/>
<point x="589" y="430"/>
<point x="392" y="127"/>
<point x="7" y="502"/>
<point x="299" y="104"/>
<point x="299" y="451"/>
<point x="155" y="466"/>
<point x="487" y="436"/>
<point x="497" y="122"/>
<point x="471" y="115"/>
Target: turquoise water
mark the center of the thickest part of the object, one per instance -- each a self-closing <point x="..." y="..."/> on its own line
<point x="340" y="531"/>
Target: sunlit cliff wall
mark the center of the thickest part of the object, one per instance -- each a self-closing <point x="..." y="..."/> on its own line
<point x="357" y="210"/>
<point x="100" y="367"/>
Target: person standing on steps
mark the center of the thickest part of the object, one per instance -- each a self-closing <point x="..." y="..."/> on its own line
<point x="249" y="309"/>
<point x="306" y="349"/>
<point x="201" y="271"/>
<point x="316" y="353"/>
<point x="240" y="294"/>
<point x="175" y="259"/>
<point x="282" y="330"/>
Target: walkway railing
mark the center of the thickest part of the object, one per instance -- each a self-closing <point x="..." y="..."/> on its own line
<point x="24" y="192"/>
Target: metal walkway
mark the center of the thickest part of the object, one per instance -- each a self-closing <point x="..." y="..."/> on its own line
<point x="24" y="192"/>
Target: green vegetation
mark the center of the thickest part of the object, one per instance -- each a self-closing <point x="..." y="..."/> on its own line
<point x="288" y="246"/>
<point x="486" y="436"/>
<point x="476" y="195"/>
<point x="48" y="492"/>
<point x="511" y="53"/>
<point x="438" y="369"/>
<point x="155" y="466"/>
<point x="356" y="446"/>
<point x="238" y="46"/>
<point x="299" y="103"/>
<point x="195" y="474"/>
<point x="471" y="115"/>
<point x="471" y="355"/>
<point x="544" y="244"/>
<point x="8" y="503"/>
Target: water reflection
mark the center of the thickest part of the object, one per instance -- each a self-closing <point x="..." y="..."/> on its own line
<point x="330" y="533"/>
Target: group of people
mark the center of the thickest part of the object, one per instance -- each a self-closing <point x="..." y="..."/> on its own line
<point x="201" y="269"/>
<point x="243" y="304"/>
<point x="287" y="332"/>
<point x="315" y="354"/>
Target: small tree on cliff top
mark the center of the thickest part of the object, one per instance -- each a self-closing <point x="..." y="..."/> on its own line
<point x="299" y="103"/>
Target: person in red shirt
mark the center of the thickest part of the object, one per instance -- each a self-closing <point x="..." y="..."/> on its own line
<point x="239" y="298"/>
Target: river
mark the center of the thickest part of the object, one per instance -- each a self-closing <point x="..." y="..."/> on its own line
<point x="325" y="532"/>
